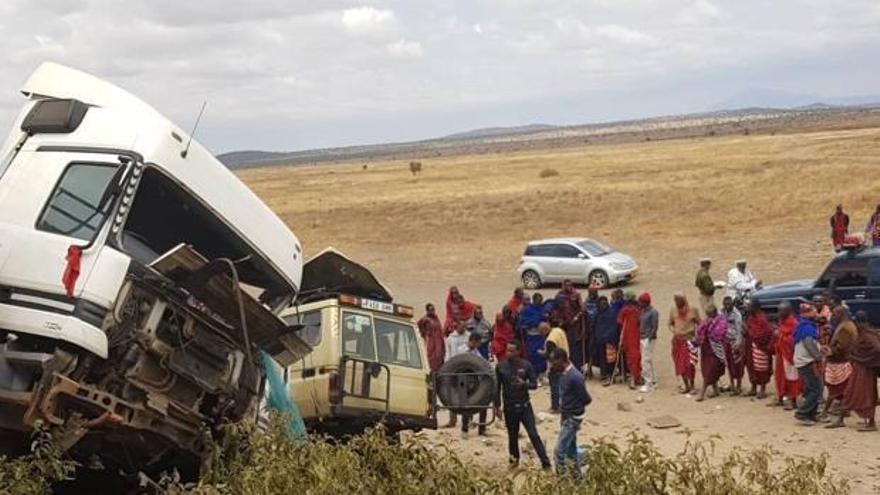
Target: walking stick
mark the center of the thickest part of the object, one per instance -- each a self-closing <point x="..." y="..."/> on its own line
<point x="619" y="359"/>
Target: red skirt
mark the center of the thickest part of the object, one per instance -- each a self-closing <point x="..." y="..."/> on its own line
<point x="681" y="357"/>
<point x="736" y="361"/>
<point x="836" y="377"/>
<point x="860" y="395"/>
<point x="785" y="387"/>
<point x="711" y="367"/>
<point x="759" y="364"/>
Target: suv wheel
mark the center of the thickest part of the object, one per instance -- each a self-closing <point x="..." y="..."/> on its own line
<point x="531" y="280"/>
<point x="598" y="278"/>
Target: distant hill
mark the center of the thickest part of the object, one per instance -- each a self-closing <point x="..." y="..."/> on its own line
<point x="500" y="131"/>
<point x="732" y="119"/>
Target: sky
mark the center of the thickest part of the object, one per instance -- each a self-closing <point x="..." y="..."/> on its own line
<point x="290" y="74"/>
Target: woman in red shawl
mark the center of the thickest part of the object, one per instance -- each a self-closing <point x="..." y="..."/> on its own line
<point x="516" y="301"/>
<point x="458" y="310"/>
<point x="502" y="333"/>
<point x="711" y="337"/>
<point x="432" y="332"/>
<point x="860" y="396"/>
<point x="788" y="383"/>
<point x="759" y="349"/>
<point x="631" y="335"/>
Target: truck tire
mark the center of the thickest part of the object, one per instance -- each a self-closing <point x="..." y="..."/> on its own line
<point x="456" y="392"/>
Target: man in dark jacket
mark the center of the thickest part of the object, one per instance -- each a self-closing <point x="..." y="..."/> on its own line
<point x="573" y="402"/>
<point x="514" y="378"/>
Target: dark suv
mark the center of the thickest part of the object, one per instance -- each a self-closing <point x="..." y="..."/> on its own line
<point x="854" y="275"/>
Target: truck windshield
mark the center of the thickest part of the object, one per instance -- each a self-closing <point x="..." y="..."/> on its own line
<point x="73" y="208"/>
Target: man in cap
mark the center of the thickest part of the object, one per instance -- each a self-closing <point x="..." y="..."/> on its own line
<point x="741" y="281"/>
<point x="705" y="285"/>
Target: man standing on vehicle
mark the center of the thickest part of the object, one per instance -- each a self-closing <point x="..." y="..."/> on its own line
<point x="741" y="282"/>
<point x="478" y="325"/>
<point x="431" y="330"/>
<point x="705" y="284"/>
<point x="839" y="227"/>
<point x="514" y="378"/>
<point x="573" y="402"/>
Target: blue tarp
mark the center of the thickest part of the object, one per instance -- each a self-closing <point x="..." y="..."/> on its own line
<point x="278" y="398"/>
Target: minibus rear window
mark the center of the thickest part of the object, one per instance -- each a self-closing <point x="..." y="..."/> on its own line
<point x="72" y="209"/>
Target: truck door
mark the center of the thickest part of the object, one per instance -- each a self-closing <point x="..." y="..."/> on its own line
<point x="363" y="378"/>
<point x="306" y="380"/>
<point x="873" y="296"/>
<point x="48" y="202"/>
<point x="398" y="347"/>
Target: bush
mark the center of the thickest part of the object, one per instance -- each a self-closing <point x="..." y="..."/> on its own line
<point x="268" y="463"/>
<point x="36" y="472"/>
<point x="371" y="463"/>
<point x="548" y="172"/>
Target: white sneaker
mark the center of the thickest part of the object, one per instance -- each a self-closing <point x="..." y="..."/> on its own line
<point x="646" y="388"/>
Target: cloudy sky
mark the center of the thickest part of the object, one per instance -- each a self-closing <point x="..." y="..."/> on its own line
<point x="293" y="74"/>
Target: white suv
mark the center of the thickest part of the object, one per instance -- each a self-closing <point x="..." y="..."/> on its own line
<point x="581" y="260"/>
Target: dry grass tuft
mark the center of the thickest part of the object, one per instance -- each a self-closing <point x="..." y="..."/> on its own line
<point x="548" y="172"/>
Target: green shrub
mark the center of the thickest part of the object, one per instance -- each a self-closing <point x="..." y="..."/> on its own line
<point x="267" y="463"/>
<point x="35" y="472"/>
<point x="371" y="463"/>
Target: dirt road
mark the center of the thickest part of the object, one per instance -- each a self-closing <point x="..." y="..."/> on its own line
<point x="465" y="220"/>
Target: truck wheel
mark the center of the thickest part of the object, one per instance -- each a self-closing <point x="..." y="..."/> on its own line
<point x="456" y="388"/>
<point x="598" y="278"/>
<point x="531" y="280"/>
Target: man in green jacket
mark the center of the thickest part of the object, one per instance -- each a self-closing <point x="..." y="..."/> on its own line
<point x="705" y="284"/>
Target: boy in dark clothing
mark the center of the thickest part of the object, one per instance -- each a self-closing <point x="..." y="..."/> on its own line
<point x="573" y="402"/>
<point x="515" y="377"/>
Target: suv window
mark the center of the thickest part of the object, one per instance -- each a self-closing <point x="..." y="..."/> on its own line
<point x="72" y="209"/>
<point x="846" y="272"/>
<point x="397" y="344"/>
<point x="552" y="251"/>
<point x="357" y="336"/>
<point x="565" y="251"/>
<point x="311" y="322"/>
<point x="539" y="250"/>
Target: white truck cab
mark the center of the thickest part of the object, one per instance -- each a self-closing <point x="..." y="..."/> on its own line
<point x="124" y="253"/>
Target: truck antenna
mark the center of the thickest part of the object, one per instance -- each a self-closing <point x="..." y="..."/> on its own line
<point x="195" y="126"/>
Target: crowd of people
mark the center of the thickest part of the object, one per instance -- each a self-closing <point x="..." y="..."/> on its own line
<point x="813" y="353"/>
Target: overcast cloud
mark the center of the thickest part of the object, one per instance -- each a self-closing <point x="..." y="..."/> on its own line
<point x="284" y="75"/>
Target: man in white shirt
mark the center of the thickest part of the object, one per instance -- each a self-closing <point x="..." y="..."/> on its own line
<point x="741" y="281"/>
<point x="457" y="341"/>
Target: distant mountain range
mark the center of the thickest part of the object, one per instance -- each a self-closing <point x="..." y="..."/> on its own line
<point x="749" y="111"/>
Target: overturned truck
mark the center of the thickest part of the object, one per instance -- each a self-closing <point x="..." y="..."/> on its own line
<point x="139" y="282"/>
